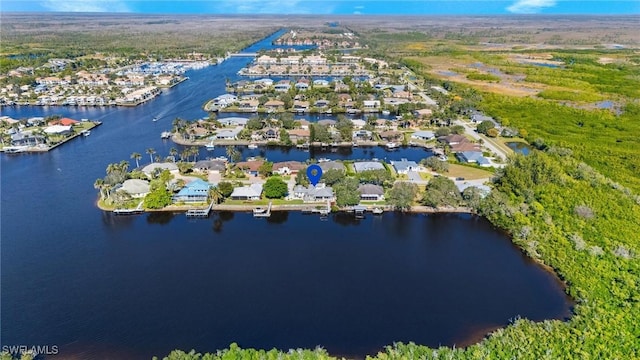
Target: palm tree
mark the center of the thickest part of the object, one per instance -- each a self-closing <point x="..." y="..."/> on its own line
<point x="173" y="152"/>
<point x="137" y="157"/>
<point x="232" y="153"/>
<point x="151" y="151"/>
<point x="215" y="195"/>
<point x="99" y="184"/>
<point x="195" y="151"/>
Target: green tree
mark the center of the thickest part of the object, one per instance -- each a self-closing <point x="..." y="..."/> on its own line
<point x="345" y="128"/>
<point x="441" y="191"/>
<point x="472" y="196"/>
<point x="284" y="137"/>
<point x="275" y="188"/>
<point x="184" y="167"/>
<point x="346" y="191"/>
<point x="301" y="178"/>
<point x="265" y="169"/>
<point x="225" y="188"/>
<point x="435" y="164"/>
<point x="402" y="194"/>
<point x="484" y="126"/>
<point x="233" y="154"/>
<point x="157" y="198"/>
<point x="254" y="124"/>
<point x="332" y="176"/>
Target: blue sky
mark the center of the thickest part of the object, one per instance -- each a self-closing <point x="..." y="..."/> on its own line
<point x="369" y="7"/>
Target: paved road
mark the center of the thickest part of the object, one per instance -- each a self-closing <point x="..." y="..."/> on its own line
<point x="471" y="131"/>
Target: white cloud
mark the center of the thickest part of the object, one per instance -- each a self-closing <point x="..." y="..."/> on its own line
<point x="530" y="6"/>
<point x="86" y="5"/>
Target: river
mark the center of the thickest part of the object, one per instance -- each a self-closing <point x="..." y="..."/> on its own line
<point x="99" y="286"/>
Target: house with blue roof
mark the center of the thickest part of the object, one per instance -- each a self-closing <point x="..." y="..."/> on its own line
<point x="197" y="191"/>
<point x="473" y="157"/>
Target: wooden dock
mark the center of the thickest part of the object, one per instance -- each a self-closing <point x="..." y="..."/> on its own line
<point x="137" y="210"/>
<point x="258" y="212"/>
<point x="199" y="213"/>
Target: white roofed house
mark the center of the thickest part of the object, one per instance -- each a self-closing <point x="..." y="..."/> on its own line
<point x="367" y="166"/>
<point x="423" y="135"/>
<point x="228" y="134"/>
<point x="233" y="121"/>
<point x="58" y="130"/>
<point x="136" y="188"/>
<point x="251" y="192"/>
<point x="371" y="105"/>
<point x="312" y="193"/>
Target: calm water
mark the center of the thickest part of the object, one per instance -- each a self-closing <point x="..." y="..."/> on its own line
<point x="104" y="287"/>
<point x="519" y="147"/>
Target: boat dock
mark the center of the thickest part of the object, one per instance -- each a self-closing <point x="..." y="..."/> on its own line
<point x="261" y="212"/>
<point x="137" y="210"/>
<point x="199" y="213"/>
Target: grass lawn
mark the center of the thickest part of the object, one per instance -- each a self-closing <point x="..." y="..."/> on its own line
<point x="467" y="172"/>
<point x="425" y="176"/>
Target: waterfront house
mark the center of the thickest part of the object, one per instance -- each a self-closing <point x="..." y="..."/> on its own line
<point x="322" y="103"/>
<point x="228" y="134"/>
<point x="288" y="167"/>
<point x="225" y="100"/>
<point x="214" y="166"/>
<point x="423" y="135"/>
<point x="233" y="121"/>
<point x="371" y="105"/>
<point x="311" y="193"/>
<point x="362" y="135"/>
<point x="473" y="157"/>
<point x="302" y="86"/>
<point x="250" y="167"/>
<point x="58" y="130"/>
<point x="299" y="134"/>
<point x="404" y="166"/>
<point x="390" y="135"/>
<point x="196" y="191"/>
<point x="303" y="124"/>
<point x="251" y="192"/>
<point x="283" y="86"/>
<point x="320" y="83"/>
<point x="272" y="134"/>
<point x="371" y="192"/>
<point x="358" y="123"/>
<point x="300" y="106"/>
<point x="248" y="105"/>
<point x="158" y="167"/>
<point x="361" y="166"/>
<point x="64" y="122"/>
<point x="26" y="139"/>
<point x="264" y="82"/>
<point x="327" y="122"/>
<point x="331" y="165"/>
<point x="136" y="188"/>
<point x="274" y="105"/>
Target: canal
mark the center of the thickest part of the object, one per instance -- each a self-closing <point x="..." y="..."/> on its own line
<point x="99" y="286"/>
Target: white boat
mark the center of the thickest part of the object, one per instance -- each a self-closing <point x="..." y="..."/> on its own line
<point x="155" y="119"/>
<point x="259" y="210"/>
<point x="165" y="135"/>
<point x="386" y="112"/>
<point x="252" y="146"/>
<point x="323" y="160"/>
<point x="392" y="145"/>
<point x="210" y="146"/>
<point x="355" y="144"/>
<point x="85" y="132"/>
<point x="377" y="211"/>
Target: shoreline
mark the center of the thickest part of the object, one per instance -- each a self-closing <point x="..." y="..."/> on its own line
<point x="299" y="207"/>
